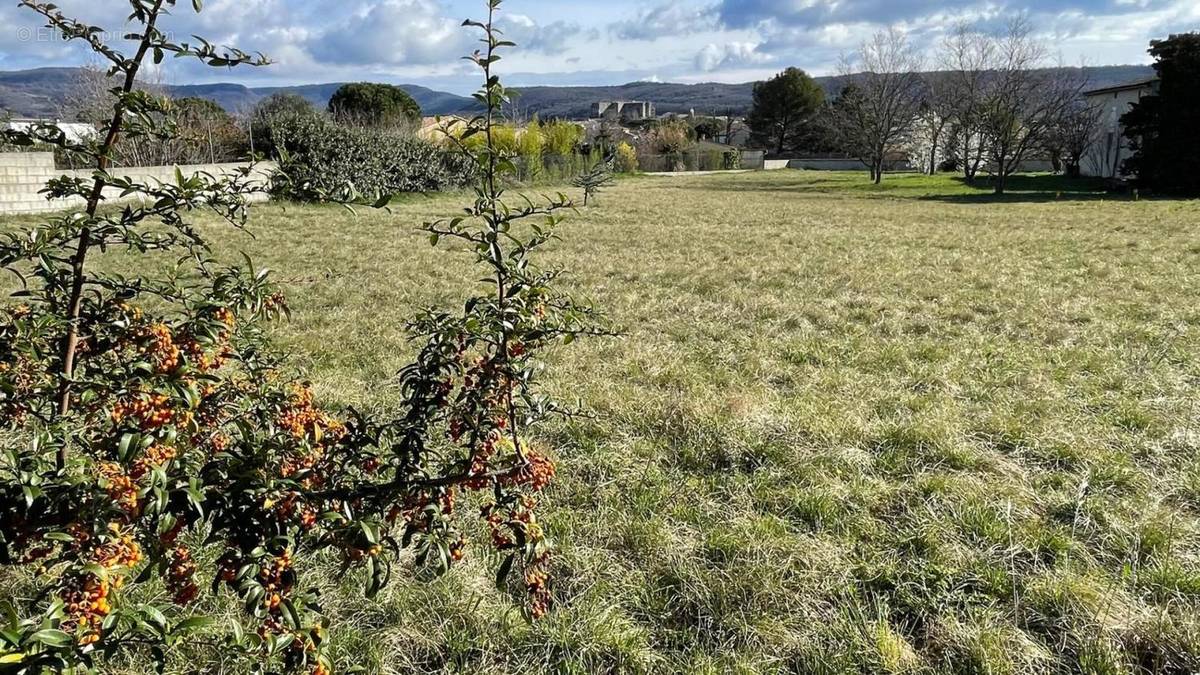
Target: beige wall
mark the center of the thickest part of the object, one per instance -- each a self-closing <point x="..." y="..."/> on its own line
<point x="24" y="174"/>
<point x="1110" y="147"/>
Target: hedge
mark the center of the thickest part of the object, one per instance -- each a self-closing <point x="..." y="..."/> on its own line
<point x="321" y="156"/>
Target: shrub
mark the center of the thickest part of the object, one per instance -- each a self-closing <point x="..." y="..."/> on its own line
<point x="504" y="137"/>
<point x="206" y="133"/>
<point x="372" y="104"/>
<point x="626" y="159"/>
<point x="280" y="105"/>
<point x="562" y="138"/>
<point x="530" y="144"/>
<point x="149" y="438"/>
<point x="318" y="156"/>
<point x="669" y="139"/>
<point x="593" y="179"/>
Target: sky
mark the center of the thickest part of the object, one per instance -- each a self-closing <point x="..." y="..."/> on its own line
<point x="589" y="42"/>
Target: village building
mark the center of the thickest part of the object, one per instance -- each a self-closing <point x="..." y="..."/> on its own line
<point x="625" y="111"/>
<point x="1111" y="148"/>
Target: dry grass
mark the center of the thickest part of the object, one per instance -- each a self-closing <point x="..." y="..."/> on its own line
<point x="849" y="430"/>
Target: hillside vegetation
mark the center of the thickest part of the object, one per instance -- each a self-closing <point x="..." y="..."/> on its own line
<point x="40" y="92"/>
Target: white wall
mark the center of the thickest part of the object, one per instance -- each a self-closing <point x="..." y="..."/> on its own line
<point x="24" y="174"/>
<point x="1110" y="148"/>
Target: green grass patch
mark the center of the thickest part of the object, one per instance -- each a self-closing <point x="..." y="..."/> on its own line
<point x="905" y="428"/>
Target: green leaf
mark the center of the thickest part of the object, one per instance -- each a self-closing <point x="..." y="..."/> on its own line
<point x="197" y="5"/>
<point x="503" y="572"/>
<point x="52" y="637"/>
<point x="194" y="623"/>
<point x="289" y="612"/>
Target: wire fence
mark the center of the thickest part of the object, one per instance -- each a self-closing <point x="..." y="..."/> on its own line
<point x="700" y="160"/>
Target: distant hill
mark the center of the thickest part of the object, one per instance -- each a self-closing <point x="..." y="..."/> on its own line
<point x="236" y="98"/>
<point x="715" y="99"/>
<point x="39" y="92"/>
<point x="35" y="93"/>
<point x="579" y="102"/>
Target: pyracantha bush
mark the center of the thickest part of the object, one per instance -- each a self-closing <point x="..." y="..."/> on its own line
<point x="152" y="447"/>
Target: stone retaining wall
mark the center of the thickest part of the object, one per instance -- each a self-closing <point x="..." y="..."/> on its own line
<point x="24" y="174"/>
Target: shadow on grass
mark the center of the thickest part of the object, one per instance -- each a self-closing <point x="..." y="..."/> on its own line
<point x="1028" y="188"/>
<point x="1037" y="188"/>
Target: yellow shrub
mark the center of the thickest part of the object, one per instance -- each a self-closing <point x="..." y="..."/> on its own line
<point x="626" y="160"/>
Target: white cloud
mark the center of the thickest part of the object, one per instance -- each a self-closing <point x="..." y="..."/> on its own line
<point x="729" y="55"/>
<point x="393" y="33"/>
<point x="666" y="20"/>
<point x="530" y="36"/>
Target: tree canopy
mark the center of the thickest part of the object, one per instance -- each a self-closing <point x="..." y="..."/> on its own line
<point x="783" y="108"/>
<point x="374" y="104"/>
<point x="283" y="103"/>
<point x="1164" y="128"/>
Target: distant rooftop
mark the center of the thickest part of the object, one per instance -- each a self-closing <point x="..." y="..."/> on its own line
<point x="1136" y="84"/>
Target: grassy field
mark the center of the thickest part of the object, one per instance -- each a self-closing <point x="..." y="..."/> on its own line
<point x="850" y="429"/>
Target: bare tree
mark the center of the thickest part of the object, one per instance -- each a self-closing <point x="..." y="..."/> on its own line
<point x="881" y="100"/>
<point x="1074" y="135"/>
<point x="935" y="115"/>
<point x="1025" y="100"/>
<point x="89" y="99"/>
<point x="967" y="58"/>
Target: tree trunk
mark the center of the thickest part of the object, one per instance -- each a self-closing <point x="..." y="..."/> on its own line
<point x="1075" y="167"/>
<point x="1001" y="183"/>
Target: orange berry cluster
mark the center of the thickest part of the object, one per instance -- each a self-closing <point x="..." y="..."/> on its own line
<point x="458" y="549"/>
<point x="287" y="508"/>
<point x="276" y="578"/>
<point x="86" y="600"/>
<point x="134" y="313"/>
<point x="537" y="585"/>
<point x="180" y="581"/>
<point x="206" y="361"/>
<point x="302" y="419"/>
<point x="156" y="456"/>
<point x="537" y="473"/>
<point x="120" y="487"/>
<point x="85" y="595"/>
<point x="158" y="345"/>
<point x="479" y="463"/>
<point x="225" y="316"/>
<point x="149" y="411"/>
<point x="501" y="539"/>
<point x="121" y="549"/>
<point x="504" y="523"/>
<point x="202" y="359"/>
<point x="518" y="517"/>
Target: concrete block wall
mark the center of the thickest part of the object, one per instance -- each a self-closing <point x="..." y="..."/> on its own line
<point x="24" y="174"/>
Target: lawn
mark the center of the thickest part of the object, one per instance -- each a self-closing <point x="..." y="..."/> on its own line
<point x="905" y="428"/>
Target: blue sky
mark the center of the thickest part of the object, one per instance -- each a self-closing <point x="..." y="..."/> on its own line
<point x="594" y="42"/>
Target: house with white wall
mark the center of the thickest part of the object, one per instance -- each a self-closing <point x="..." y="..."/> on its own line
<point x="1110" y="148"/>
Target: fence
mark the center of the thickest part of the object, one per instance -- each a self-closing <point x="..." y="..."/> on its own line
<point x="24" y="174"/>
<point x="701" y="160"/>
